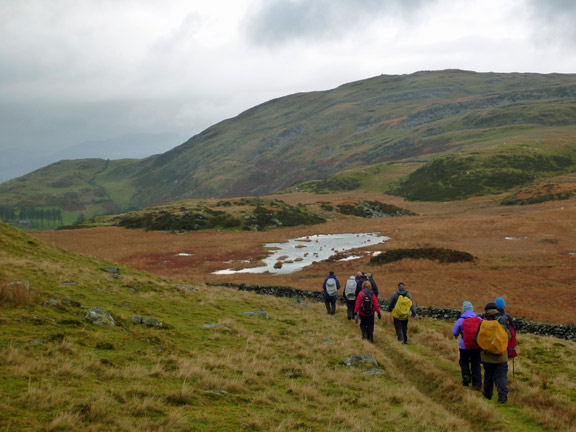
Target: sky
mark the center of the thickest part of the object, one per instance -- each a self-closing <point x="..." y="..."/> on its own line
<point x="91" y="73"/>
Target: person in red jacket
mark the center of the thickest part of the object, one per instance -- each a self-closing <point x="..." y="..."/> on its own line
<point x="366" y="306"/>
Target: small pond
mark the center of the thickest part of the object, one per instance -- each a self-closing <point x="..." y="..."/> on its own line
<point x="298" y="253"/>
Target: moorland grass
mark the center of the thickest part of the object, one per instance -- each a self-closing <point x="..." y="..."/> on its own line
<point x="283" y="373"/>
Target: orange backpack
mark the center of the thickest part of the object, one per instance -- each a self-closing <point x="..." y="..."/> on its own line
<point x="492" y="337"/>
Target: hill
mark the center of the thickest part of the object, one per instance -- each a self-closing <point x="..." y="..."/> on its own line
<point x="179" y="358"/>
<point x="482" y="133"/>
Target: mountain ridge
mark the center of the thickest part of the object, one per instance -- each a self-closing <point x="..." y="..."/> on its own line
<point x="373" y="122"/>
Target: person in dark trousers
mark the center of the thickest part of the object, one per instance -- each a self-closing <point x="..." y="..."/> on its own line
<point x="331" y="287"/>
<point x="501" y="304"/>
<point x="513" y="342"/>
<point x="401" y="324"/>
<point x="470" y="365"/>
<point x="360" y="279"/>
<point x="366" y="310"/>
<point x="495" y="366"/>
<point x="350" y="296"/>
<point x="374" y="286"/>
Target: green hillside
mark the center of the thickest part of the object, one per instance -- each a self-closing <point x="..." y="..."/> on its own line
<point x="184" y="357"/>
<point x="369" y="135"/>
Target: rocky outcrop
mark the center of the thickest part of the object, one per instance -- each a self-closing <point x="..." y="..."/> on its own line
<point x="357" y="359"/>
<point x="99" y="316"/>
<point x="210" y="326"/>
<point x="147" y="321"/>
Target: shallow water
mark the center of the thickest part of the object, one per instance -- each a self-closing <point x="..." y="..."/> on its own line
<point x="298" y="253"/>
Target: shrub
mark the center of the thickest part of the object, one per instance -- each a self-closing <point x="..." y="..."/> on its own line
<point x="372" y="209"/>
<point x="16" y="293"/>
<point x="435" y="254"/>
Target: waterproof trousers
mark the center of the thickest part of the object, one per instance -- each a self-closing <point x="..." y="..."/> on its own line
<point x="350" y="305"/>
<point x="496" y="373"/>
<point x="367" y="327"/>
<point x="330" y="302"/>
<point x="471" y="368"/>
<point x="401" y="327"/>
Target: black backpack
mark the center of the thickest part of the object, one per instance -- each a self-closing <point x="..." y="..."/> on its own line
<point x="367" y="307"/>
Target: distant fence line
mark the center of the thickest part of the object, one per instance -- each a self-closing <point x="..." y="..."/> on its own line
<point x="561" y="331"/>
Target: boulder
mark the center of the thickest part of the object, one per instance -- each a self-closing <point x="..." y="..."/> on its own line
<point x="257" y="313"/>
<point x="186" y="287"/>
<point x="215" y="326"/>
<point x="147" y="321"/>
<point x="100" y="316"/>
<point x="357" y="359"/>
<point x="110" y="269"/>
<point x="300" y="302"/>
<point x="373" y="372"/>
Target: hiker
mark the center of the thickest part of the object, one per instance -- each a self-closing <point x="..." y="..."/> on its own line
<point x="401" y="305"/>
<point x="374" y="286"/>
<point x="331" y="287"/>
<point x="513" y="343"/>
<point x="360" y="279"/>
<point x="366" y="306"/>
<point x="501" y="304"/>
<point x="466" y="327"/>
<point x="494" y="355"/>
<point x="350" y="296"/>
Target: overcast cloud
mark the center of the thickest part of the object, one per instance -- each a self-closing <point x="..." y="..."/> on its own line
<point x="74" y="71"/>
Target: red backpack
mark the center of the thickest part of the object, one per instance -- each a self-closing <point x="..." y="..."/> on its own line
<point x="470" y="327"/>
<point x="512" y="344"/>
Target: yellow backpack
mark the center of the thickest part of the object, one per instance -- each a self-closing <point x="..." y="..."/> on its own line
<point x="402" y="308"/>
<point x="492" y="337"/>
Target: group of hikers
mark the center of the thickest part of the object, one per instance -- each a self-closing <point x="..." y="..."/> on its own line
<point x="490" y="341"/>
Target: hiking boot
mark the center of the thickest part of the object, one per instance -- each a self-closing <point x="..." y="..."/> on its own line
<point x="502" y="400"/>
<point x="486" y="396"/>
<point x="466" y="382"/>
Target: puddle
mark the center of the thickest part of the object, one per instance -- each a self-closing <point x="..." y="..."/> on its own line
<point x="298" y="253"/>
<point x="515" y="238"/>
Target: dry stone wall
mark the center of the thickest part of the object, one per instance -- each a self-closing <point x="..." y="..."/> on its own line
<point x="567" y="332"/>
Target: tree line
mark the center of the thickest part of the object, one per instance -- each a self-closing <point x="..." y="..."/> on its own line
<point x="31" y="216"/>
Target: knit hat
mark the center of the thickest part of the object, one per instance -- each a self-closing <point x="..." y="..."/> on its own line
<point x="500" y="303"/>
<point x="467" y="306"/>
<point x="401" y="285"/>
<point x="490" y="306"/>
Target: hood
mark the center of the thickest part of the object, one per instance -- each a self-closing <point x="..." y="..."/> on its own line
<point x="491" y="314"/>
<point x="468" y="314"/>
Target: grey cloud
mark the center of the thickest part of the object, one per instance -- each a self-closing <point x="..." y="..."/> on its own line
<point x="282" y="21"/>
<point x="555" y="20"/>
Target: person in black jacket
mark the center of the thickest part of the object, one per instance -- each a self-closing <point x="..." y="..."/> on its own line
<point x="360" y="279"/>
<point x="374" y="286"/>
